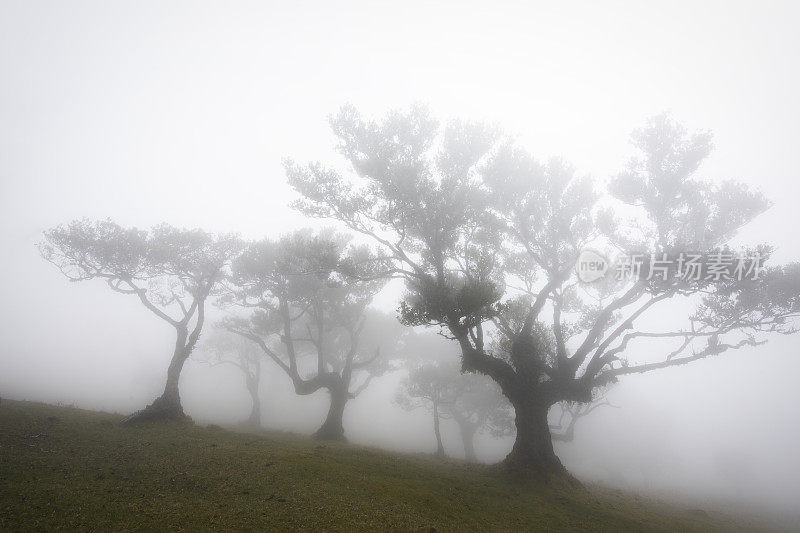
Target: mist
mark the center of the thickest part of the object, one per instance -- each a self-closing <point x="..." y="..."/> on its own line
<point x="209" y="115"/>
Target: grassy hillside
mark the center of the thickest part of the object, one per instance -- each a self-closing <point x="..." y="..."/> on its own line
<point x="73" y="469"/>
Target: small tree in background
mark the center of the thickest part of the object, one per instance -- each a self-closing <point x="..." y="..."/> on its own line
<point x="478" y="406"/>
<point x="427" y="386"/>
<point x="472" y="401"/>
<point x="226" y="348"/>
<point x="307" y="295"/>
<point x="568" y="415"/>
<point x="172" y="271"/>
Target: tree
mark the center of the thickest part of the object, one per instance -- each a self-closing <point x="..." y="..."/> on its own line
<point x="487" y="239"/>
<point x="225" y="348"/>
<point x="472" y="401"/>
<point x="568" y="415"/>
<point x="172" y="272"/>
<point x="308" y="294"/>
<point x="477" y="406"/>
<point x="428" y="386"/>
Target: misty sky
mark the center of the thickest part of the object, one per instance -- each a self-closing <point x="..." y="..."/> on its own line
<point x="183" y="111"/>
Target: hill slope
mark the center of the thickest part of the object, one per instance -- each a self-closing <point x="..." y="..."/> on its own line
<point x="68" y="468"/>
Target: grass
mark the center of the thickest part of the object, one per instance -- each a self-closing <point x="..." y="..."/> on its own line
<point x="65" y="468"/>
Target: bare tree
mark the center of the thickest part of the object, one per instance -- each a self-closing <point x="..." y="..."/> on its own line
<point x="225" y="348"/>
<point x="487" y="239"/>
<point x="171" y="271"/>
<point x="307" y="294"/>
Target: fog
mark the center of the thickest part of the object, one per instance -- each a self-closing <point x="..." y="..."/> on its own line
<point x="184" y="113"/>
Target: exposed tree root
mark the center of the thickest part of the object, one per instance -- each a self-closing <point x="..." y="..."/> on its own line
<point x="161" y="410"/>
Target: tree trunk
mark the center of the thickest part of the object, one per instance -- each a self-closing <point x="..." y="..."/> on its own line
<point x="168" y="405"/>
<point x="439" y="446"/>
<point x="468" y="431"/>
<point x="332" y="428"/>
<point x="254" y="421"/>
<point x="533" y="456"/>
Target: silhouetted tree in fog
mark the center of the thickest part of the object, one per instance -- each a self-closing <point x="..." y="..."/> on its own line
<point x="226" y="348"/>
<point x="427" y="386"/>
<point x="472" y="401"/>
<point x="487" y="239"/>
<point x="308" y="294"/>
<point x="172" y="271"/>
<point x="568" y="415"/>
<point x="478" y="406"/>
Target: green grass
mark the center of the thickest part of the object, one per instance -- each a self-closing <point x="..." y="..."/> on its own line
<point x="64" y="468"/>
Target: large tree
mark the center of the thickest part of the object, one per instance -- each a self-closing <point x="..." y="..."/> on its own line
<point x="487" y="238"/>
<point x="307" y="294"/>
<point x="171" y="271"/>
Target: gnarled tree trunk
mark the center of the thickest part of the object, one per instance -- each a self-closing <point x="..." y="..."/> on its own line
<point x="332" y="428"/>
<point x="168" y="405"/>
<point x="532" y="455"/>
<point x="254" y="420"/>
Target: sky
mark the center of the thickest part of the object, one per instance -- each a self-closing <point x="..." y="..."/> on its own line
<point x="184" y="111"/>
